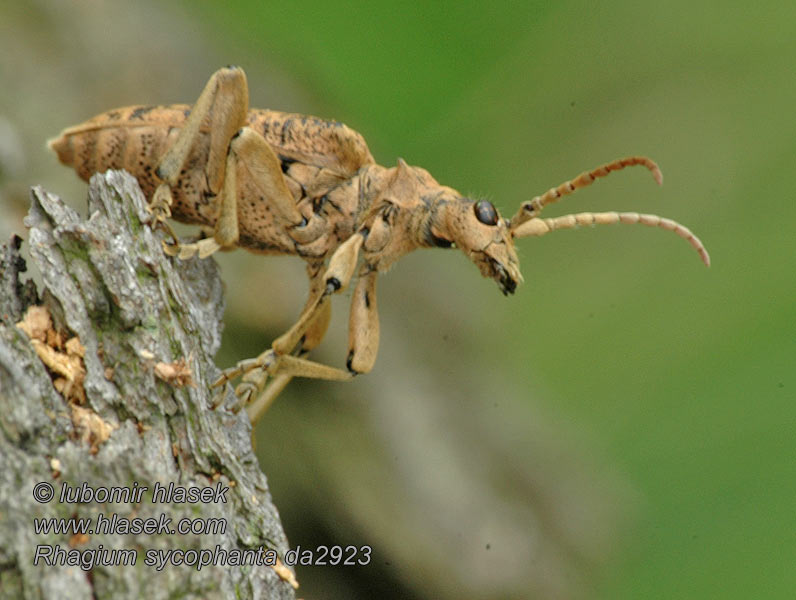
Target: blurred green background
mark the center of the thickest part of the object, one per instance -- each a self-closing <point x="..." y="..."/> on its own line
<point x="622" y="427"/>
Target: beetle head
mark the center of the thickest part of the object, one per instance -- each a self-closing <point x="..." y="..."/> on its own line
<point x="438" y="216"/>
<point x="446" y="218"/>
<point x="477" y="229"/>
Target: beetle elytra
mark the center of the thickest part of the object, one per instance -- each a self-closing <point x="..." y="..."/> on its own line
<point x="281" y="183"/>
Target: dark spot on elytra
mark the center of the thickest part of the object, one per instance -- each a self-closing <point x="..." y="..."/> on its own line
<point x="139" y="112"/>
<point x="287" y="124"/>
<point x="367" y="300"/>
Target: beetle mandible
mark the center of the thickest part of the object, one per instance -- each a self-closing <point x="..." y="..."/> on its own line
<point x="281" y="183"/>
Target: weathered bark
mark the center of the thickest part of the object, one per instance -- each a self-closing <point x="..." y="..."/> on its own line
<point x="107" y="282"/>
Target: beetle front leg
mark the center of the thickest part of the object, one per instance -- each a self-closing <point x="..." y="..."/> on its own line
<point x="335" y="279"/>
<point x="277" y="360"/>
<point x="266" y="398"/>
<point x="363" y="324"/>
<point x="256" y="380"/>
<point x="312" y="337"/>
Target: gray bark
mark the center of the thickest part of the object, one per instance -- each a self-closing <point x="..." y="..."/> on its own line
<point x="106" y="280"/>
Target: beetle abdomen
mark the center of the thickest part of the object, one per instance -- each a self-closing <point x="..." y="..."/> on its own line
<point x="132" y="138"/>
<point x="316" y="155"/>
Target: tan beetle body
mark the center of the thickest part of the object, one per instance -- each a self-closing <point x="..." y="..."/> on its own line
<point x="136" y="137"/>
<point x="281" y="183"/>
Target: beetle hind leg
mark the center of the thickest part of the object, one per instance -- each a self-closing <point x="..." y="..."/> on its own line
<point x="249" y="158"/>
<point x="160" y="209"/>
<point x="221" y="107"/>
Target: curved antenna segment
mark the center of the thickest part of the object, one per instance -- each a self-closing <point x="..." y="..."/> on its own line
<point x="538" y="227"/>
<point x="531" y="208"/>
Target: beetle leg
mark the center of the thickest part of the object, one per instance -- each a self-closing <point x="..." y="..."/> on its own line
<point x="160" y="208"/>
<point x="250" y="157"/>
<point x="277" y="360"/>
<point x="225" y="232"/>
<point x="363" y="324"/>
<point x="256" y="371"/>
<point x="222" y="107"/>
<point x="317" y="329"/>
<point x="312" y="337"/>
<point x="266" y="398"/>
<point x="256" y="156"/>
<point x="335" y="279"/>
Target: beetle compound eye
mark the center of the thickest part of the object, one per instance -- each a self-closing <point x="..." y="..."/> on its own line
<point x="486" y="213"/>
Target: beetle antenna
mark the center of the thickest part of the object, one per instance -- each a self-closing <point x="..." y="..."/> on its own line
<point x="531" y="208"/>
<point x="538" y="227"/>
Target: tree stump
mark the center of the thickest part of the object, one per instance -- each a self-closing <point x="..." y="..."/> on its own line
<point x="105" y="385"/>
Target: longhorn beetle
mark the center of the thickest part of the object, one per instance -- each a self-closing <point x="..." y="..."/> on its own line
<point x="281" y="183"/>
